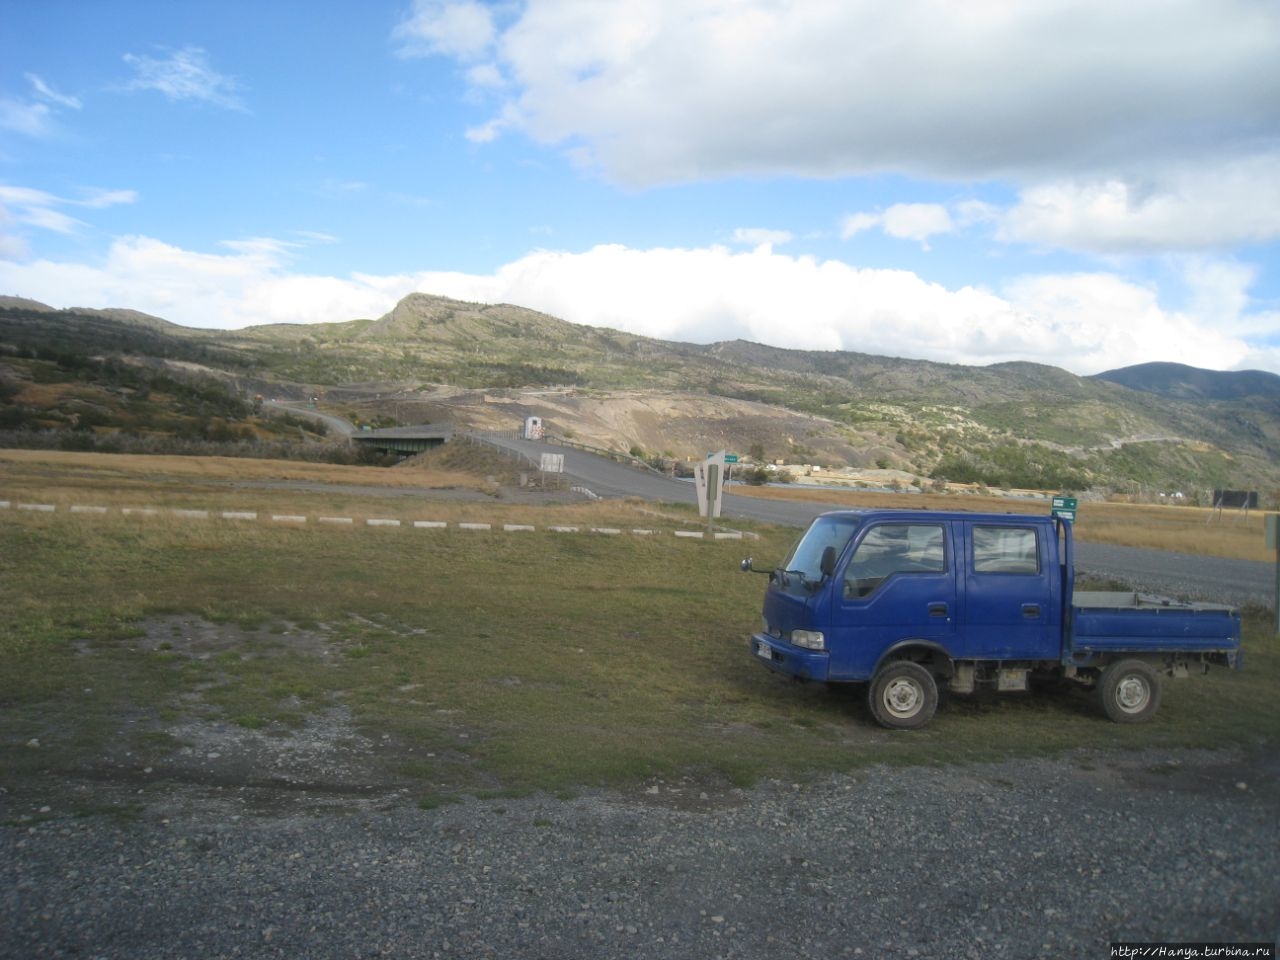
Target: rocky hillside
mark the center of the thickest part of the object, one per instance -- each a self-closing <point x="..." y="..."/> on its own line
<point x="432" y="359"/>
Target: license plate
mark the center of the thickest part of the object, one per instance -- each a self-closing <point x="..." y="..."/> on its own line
<point x="763" y="651"/>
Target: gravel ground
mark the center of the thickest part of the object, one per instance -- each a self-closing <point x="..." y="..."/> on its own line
<point x="1034" y="858"/>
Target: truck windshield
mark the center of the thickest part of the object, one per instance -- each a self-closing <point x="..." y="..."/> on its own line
<point x="805" y="560"/>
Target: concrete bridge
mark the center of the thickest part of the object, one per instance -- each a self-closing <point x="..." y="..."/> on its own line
<point x="405" y="440"/>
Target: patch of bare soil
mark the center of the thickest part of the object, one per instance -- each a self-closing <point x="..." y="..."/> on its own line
<point x="195" y="755"/>
<point x="196" y="758"/>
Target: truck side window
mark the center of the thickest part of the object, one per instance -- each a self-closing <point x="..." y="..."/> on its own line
<point x="1006" y="550"/>
<point x="892" y="548"/>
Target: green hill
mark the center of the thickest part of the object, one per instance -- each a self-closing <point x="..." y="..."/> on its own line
<point x="1156" y="426"/>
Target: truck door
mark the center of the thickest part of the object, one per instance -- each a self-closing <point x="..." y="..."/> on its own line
<point x="1010" y="595"/>
<point x="899" y="584"/>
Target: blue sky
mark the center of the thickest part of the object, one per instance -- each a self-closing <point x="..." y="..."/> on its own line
<point x="1075" y="182"/>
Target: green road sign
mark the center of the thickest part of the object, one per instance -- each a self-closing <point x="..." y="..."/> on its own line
<point x="730" y="458"/>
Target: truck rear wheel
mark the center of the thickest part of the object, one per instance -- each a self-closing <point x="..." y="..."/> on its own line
<point x="903" y="696"/>
<point x="1130" y="691"/>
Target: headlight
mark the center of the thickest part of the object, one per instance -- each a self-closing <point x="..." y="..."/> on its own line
<point x="809" y="639"/>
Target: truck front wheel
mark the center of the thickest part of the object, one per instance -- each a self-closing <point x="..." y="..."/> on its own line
<point x="903" y="696"/>
<point x="1130" y="691"/>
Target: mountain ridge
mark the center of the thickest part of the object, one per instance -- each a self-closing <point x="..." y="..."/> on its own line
<point x="434" y="354"/>
<point x="1183" y="381"/>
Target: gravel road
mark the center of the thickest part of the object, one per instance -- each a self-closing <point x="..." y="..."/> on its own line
<point x="1030" y="858"/>
<point x="1214" y="579"/>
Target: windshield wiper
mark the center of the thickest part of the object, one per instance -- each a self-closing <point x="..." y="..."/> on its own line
<point x="805" y="582"/>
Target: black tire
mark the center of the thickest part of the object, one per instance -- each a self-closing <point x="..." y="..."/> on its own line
<point x="903" y="696"/>
<point x="1130" y="691"/>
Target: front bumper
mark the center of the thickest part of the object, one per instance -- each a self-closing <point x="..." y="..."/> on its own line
<point x="782" y="657"/>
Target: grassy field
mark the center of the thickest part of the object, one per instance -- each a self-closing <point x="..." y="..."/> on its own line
<point x="478" y="662"/>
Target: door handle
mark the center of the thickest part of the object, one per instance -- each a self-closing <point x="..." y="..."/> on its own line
<point x="937" y="609"/>
<point x="1031" y="611"/>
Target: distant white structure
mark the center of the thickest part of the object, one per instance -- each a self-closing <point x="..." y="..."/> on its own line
<point x="533" y="428"/>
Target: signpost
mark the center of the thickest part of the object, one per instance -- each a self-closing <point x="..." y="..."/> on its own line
<point x="1064" y="507"/>
<point x="552" y="463"/>
<point x="1273" y="541"/>
<point x="708" y="476"/>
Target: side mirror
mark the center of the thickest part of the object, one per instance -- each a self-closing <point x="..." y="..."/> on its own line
<point x="745" y="565"/>
<point x="828" y="562"/>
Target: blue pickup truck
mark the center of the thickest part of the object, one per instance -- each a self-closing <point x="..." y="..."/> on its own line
<point x="907" y="601"/>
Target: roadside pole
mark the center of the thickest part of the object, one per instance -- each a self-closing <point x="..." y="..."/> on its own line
<point x="1273" y="541"/>
<point x="709" y="481"/>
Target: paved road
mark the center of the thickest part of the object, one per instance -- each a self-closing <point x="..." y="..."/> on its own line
<point x="299" y="408"/>
<point x="1213" y="579"/>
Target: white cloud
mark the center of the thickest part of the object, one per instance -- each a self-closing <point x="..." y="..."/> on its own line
<point x="1121" y="136"/>
<point x="1101" y="321"/>
<point x="464" y="30"/>
<point x="903" y="221"/>
<point x="856" y="223"/>
<point x="486" y="76"/>
<point x="34" y="118"/>
<point x="314" y="236"/>
<point x="22" y="207"/>
<point x="185" y="75"/>
<point x="665" y="90"/>
<point x="28" y="119"/>
<point x="45" y="92"/>
<point x="1178" y="207"/>
<point x="26" y="207"/>
<point x="1082" y="322"/>
<point x="98" y="199"/>
<point x="486" y="132"/>
<point x="248" y="285"/>
<point x="917" y="221"/>
<point x="333" y="187"/>
<point x="762" y="236"/>
<point x="1085" y="323"/>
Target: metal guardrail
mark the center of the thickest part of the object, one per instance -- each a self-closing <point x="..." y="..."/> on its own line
<point x="487" y="438"/>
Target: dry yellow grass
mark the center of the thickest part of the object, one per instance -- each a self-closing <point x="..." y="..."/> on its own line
<point x="1194" y="530"/>
<point x="98" y="466"/>
<point x="226" y="483"/>
<point x="1191" y="530"/>
<point x="273" y="487"/>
